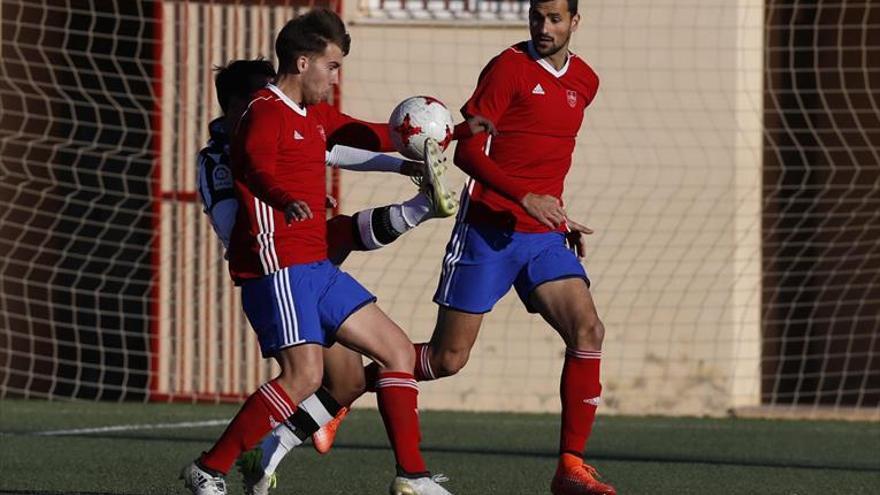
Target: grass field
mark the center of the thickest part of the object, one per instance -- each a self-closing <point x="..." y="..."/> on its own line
<point x="481" y="453"/>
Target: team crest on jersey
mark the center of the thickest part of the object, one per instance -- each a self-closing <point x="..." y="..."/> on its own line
<point x="572" y="97"/>
<point x="222" y="177"/>
<point x="322" y="133"/>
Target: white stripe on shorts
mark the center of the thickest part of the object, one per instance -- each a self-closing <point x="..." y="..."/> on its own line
<point x="452" y="258"/>
<point x="288" y="296"/>
<point x="286" y="308"/>
<point x="280" y="301"/>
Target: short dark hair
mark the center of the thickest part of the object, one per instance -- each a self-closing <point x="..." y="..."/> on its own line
<point x="572" y="5"/>
<point x="309" y="34"/>
<point x="240" y="78"/>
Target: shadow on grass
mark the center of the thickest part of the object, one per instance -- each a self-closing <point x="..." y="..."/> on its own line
<point x="488" y="451"/>
<point x="44" y="492"/>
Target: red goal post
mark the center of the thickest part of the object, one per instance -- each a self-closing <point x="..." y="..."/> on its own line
<point x="202" y="347"/>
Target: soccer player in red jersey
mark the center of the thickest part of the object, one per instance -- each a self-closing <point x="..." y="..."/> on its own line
<point x="366" y="230"/>
<point x="295" y="299"/>
<point x="511" y="229"/>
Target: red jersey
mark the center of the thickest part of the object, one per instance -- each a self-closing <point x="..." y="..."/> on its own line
<point x="538" y="111"/>
<point x="278" y="156"/>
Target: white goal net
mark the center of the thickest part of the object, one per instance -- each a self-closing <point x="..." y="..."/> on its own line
<point x="729" y="166"/>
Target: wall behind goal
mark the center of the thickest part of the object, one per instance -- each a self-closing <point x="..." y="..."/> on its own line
<point x="730" y="168"/>
<point x="667" y="171"/>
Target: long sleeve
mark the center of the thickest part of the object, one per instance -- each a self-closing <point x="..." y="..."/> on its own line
<point x="471" y="158"/>
<point x="347" y="130"/>
<point x="260" y="135"/>
<point x="495" y="91"/>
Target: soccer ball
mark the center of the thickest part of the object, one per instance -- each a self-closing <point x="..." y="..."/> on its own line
<point x="416" y="119"/>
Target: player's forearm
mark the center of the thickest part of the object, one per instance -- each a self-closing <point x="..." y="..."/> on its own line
<point x="470" y="157"/>
<point x="349" y="158"/>
<point x="461" y="131"/>
<point x="269" y="193"/>
<point x="260" y="178"/>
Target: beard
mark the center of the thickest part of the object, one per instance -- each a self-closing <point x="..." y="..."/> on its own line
<point x="552" y="49"/>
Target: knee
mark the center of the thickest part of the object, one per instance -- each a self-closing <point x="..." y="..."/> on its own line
<point x="402" y="358"/>
<point x="449" y="362"/>
<point x="588" y="335"/>
<point x="348" y="392"/>
<point x="302" y="382"/>
<point x="356" y="385"/>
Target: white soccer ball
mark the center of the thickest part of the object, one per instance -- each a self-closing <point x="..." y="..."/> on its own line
<point x="416" y="119"/>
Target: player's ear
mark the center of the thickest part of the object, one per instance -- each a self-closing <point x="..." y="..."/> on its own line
<point x="575" y="22"/>
<point x="302" y="63"/>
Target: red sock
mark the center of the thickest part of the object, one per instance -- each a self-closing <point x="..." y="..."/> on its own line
<point x="398" y="396"/>
<point x="262" y="411"/>
<point x="580" y="390"/>
<point x="423" y="371"/>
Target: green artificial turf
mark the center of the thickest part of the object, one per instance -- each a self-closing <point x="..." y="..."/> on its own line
<point x="482" y="453"/>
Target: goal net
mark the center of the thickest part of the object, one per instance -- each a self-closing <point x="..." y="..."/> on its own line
<point x="729" y="166"/>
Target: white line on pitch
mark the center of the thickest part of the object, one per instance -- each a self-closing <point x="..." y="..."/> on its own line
<point x="117" y="428"/>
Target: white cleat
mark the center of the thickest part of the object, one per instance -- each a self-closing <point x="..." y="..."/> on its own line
<point x="443" y="201"/>
<point x="200" y="482"/>
<point x="427" y="485"/>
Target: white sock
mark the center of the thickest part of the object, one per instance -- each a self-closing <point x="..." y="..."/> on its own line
<point x="276" y="445"/>
<point x="282" y="438"/>
<point x="410" y="213"/>
<point x="364" y="221"/>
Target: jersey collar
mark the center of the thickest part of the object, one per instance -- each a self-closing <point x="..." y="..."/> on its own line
<point x="292" y="104"/>
<point x="543" y="62"/>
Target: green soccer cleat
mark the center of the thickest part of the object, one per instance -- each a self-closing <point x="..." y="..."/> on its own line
<point x="256" y="482"/>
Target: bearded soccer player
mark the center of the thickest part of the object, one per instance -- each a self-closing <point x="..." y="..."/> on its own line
<point x="512" y="229"/>
<point x="295" y="299"/>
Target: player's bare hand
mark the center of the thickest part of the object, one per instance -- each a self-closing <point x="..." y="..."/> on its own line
<point x="544" y="208"/>
<point x="479" y="124"/>
<point x="330" y="202"/>
<point x="297" y="211"/>
<point x="576" y="237"/>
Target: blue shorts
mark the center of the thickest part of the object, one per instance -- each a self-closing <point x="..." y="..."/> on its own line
<point x="301" y="304"/>
<point x="482" y="262"/>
